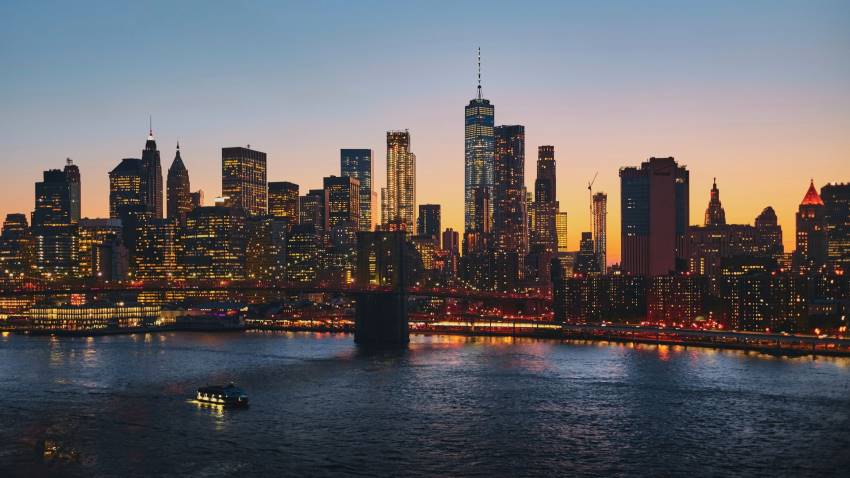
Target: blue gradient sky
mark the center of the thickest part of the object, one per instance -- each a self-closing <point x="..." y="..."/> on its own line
<point x="756" y="93"/>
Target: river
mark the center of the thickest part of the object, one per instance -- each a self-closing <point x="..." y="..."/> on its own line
<point x="448" y="406"/>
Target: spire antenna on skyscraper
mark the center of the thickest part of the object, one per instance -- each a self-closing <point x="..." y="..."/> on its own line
<point x="150" y="126"/>
<point x="479" y="73"/>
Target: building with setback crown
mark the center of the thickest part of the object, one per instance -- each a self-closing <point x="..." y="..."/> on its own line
<point x="655" y="216"/>
<point x="243" y="179"/>
<point x="811" y="228"/>
<point x="179" y="192"/>
<point x="151" y="180"/>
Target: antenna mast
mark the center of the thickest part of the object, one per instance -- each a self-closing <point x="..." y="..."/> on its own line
<point x="479" y="73"/>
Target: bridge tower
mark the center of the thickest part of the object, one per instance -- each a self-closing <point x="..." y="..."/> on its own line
<point x="381" y="314"/>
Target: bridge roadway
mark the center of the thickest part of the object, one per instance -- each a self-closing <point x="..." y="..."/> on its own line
<point x="256" y="286"/>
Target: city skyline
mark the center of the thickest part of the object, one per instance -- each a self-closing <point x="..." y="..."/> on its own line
<point x="781" y="118"/>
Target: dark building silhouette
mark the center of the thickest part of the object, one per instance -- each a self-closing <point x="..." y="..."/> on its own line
<point x="17" y="256"/>
<point x="197" y="198"/>
<point x="836" y="201"/>
<point x="312" y="210"/>
<point x="428" y="223"/>
<point x="811" y="229"/>
<point x="510" y="225"/>
<point x="72" y="175"/>
<point x="54" y="225"/>
<point x="151" y="180"/>
<point x="283" y="201"/>
<point x="769" y="234"/>
<point x="357" y="163"/>
<point x="655" y="217"/>
<point x="587" y="261"/>
<point x="179" y="190"/>
<point x="243" y="179"/>
<point x="714" y="214"/>
<point x="545" y="204"/>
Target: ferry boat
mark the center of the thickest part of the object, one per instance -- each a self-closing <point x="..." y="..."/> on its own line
<point x="228" y="395"/>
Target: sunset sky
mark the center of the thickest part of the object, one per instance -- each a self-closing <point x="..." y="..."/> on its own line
<point x="756" y="93"/>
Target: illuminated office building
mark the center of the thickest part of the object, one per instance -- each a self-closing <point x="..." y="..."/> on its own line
<point x="125" y="188"/>
<point x="243" y="179"/>
<point x="342" y="200"/>
<point x="53" y="224"/>
<point x="265" y="247"/>
<point x="479" y="150"/>
<point x="92" y="233"/>
<point x="401" y="180"/>
<point x="561" y="231"/>
<point x="283" y="201"/>
<point x="179" y="191"/>
<point x="358" y="164"/>
<point x="213" y="243"/>
<point x="600" y="229"/>
<point x="303" y="245"/>
<point x="714" y="214"/>
<point x="510" y="225"/>
<point x="836" y="200"/>
<point x="16" y="248"/>
<point x="312" y="210"/>
<point x="157" y="249"/>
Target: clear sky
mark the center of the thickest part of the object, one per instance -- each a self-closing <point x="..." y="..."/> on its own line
<point x="756" y="93"/>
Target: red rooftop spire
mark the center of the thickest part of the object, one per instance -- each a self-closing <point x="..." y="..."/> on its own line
<point x="812" y="198"/>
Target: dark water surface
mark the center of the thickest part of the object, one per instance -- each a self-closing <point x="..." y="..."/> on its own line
<point x="447" y="406"/>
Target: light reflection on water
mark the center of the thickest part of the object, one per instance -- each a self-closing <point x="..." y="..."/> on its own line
<point x="449" y="405"/>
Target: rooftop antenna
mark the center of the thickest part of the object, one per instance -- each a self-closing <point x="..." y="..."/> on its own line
<point x="590" y="197"/>
<point x="150" y="125"/>
<point x="479" y="73"/>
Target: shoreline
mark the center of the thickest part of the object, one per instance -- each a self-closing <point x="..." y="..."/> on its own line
<point x="559" y="335"/>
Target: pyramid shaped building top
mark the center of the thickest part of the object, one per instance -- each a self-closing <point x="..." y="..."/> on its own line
<point x="812" y="198"/>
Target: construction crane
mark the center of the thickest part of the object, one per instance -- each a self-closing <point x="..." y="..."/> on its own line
<point x="590" y="199"/>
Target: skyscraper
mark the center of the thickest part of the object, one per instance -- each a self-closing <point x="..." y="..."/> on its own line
<point x="151" y="180"/>
<point x="655" y="216"/>
<point x="401" y="180"/>
<point x="213" y="243"/>
<point x="16" y="248"/>
<point x="54" y="228"/>
<point x="342" y="200"/>
<point x="283" y="201"/>
<point x="545" y="200"/>
<point x="561" y="229"/>
<point x="428" y="223"/>
<point x="836" y="200"/>
<point x="125" y="188"/>
<point x="811" y="228"/>
<point x="179" y="192"/>
<point x="243" y="179"/>
<point x="510" y="226"/>
<point x="72" y="173"/>
<point x="479" y="148"/>
<point x="357" y="163"/>
<point x="600" y="229"/>
<point x="714" y="214"/>
<point x="312" y="210"/>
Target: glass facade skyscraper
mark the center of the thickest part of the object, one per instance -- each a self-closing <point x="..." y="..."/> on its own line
<point x="357" y="163"/>
<point x="479" y="144"/>
<point x="401" y="180"/>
